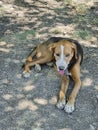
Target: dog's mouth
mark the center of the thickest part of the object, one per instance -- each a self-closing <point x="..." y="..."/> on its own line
<point x="61" y="72"/>
<point x="64" y="72"/>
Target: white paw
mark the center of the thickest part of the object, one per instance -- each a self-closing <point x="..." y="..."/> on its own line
<point x="26" y="74"/>
<point x="69" y="108"/>
<point x="61" y="104"/>
<point x="37" y="68"/>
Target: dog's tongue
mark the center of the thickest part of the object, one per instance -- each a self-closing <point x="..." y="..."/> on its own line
<point x="61" y="72"/>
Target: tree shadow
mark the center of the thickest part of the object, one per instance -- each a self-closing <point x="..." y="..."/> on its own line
<point x="36" y="17"/>
<point x="30" y="103"/>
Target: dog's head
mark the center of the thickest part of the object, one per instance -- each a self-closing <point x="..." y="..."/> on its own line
<point x="63" y="53"/>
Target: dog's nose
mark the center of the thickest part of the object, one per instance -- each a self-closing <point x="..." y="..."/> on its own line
<point x="61" y="67"/>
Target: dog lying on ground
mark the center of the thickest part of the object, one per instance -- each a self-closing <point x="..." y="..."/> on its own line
<point x="67" y="55"/>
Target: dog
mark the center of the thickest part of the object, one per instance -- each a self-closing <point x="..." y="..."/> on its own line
<point x="67" y="56"/>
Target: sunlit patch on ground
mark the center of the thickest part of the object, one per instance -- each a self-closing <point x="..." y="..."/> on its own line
<point x="65" y="129"/>
<point x="2" y="43"/>
<point x="29" y="88"/>
<point x="4" y="50"/>
<point x="87" y="82"/>
<point x="9" y="109"/>
<point x="5" y="81"/>
<point x="53" y="100"/>
<point x="20" y="96"/>
<point x="7" y="96"/>
<point x="26" y="104"/>
<point x="41" y="101"/>
<point x="96" y="87"/>
<point x="29" y="104"/>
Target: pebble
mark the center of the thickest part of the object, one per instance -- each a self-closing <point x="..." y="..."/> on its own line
<point x="92" y="127"/>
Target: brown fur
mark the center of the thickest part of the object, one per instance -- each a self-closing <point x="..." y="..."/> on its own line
<point x="46" y="53"/>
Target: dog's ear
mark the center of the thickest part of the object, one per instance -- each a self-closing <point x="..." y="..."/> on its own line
<point x="75" y="50"/>
<point x="51" y="46"/>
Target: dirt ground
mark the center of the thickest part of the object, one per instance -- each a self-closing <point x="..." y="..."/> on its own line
<point x="29" y="104"/>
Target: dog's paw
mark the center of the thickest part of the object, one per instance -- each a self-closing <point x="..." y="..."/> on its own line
<point x="69" y="108"/>
<point x="37" y="68"/>
<point x="26" y="74"/>
<point x="61" y="104"/>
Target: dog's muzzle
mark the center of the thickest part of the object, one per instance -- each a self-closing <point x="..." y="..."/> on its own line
<point x="62" y="71"/>
<point x="61" y="67"/>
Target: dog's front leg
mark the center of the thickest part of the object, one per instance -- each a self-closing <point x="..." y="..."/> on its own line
<point x="62" y="100"/>
<point x="69" y="108"/>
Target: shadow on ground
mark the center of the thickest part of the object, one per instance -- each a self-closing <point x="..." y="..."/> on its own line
<point x="29" y="104"/>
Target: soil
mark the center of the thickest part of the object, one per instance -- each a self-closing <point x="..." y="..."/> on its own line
<point x="29" y="104"/>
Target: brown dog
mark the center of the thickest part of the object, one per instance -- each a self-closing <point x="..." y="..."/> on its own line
<point x="67" y="55"/>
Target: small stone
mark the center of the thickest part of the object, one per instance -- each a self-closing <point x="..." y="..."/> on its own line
<point x="19" y="76"/>
<point x="9" y="108"/>
<point x="92" y="127"/>
<point x="37" y="68"/>
<point x="5" y="81"/>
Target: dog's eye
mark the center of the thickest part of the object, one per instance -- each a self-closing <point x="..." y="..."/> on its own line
<point x="57" y="54"/>
<point x="67" y="55"/>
